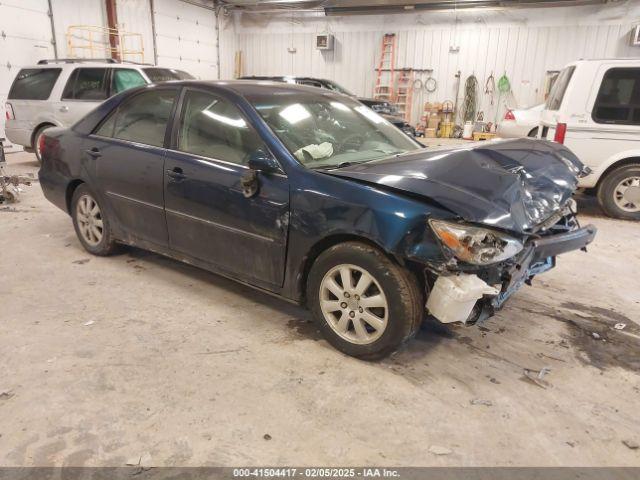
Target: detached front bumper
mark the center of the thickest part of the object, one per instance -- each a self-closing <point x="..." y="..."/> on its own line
<point x="471" y="297"/>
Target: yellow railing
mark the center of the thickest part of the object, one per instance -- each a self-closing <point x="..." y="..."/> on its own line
<point x="93" y="41"/>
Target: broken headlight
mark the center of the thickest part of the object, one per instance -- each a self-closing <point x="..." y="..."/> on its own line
<point x="480" y="246"/>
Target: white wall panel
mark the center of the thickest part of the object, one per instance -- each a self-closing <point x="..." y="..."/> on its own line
<point x="25" y="38"/>
<point x="134" y="16"/>
<point x="73" y="12"/>
<point x="522" y="45"/>
<point x="186" y="37"/>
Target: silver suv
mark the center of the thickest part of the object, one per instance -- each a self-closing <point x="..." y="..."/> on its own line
<point x="57" y="93"/>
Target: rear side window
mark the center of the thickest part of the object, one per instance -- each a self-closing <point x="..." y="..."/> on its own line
<point x="125" y="78"/>
<point x="559" y="88"/>
<point x="618" y="100"/>
<point x="141" y="119"/>
<point x="34" y="83"/>
<point x="166" y="74"/>
<point x="87" y="84"/>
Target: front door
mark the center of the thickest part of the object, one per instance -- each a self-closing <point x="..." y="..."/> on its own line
<point x="208" y="217"/>
<point x="126" y="156"/>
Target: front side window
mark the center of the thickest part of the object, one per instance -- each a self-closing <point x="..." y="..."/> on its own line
<point x="323" y="132"/>
<point x="212" y="127"/>
<point x="34" y="83"/>
<point x="125" y="78"/>
<point x="141" y="119"/>
<point x="559" y="88"/>
<point x="87" y="84"/>
<point x="618" y="100"/>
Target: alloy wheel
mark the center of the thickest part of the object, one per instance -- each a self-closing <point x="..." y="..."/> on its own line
<point x="89" y="220"/>
<point x="626" y="195"/>
<point x="353" y="304"/>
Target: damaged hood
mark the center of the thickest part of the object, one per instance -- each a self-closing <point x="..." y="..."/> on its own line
<point x="511" y="184"/>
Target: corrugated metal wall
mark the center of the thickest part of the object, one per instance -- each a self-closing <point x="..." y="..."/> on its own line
<point x="523" y="53"/>
<point x="25" y="38"/>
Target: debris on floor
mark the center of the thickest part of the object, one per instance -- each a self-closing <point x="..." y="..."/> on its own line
<point x="620" y="326"/>
<point x="632" y="444"/>
<point x="595" y="335"/>
<point x="266" y="436"/>
<point x="90" y="322"/>
<point x="6" y="394"/>
<point x="438" y="450"/>
<point x="143" y="461"/>
<point x="82" y="261"/>
<point x="480" y="401"/>
<point x="537" y="376"/>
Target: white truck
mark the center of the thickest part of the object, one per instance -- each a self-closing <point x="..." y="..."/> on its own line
<point x="594" y="109"/>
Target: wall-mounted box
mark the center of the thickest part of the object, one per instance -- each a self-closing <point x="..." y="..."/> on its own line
<point x="324" y="41"/>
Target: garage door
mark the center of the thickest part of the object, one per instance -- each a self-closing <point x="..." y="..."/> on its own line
<point x="186" y="38"/>
<point x="25" y="38"/>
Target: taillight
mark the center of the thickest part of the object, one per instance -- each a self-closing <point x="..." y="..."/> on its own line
<point x="41" y="142"/>
<point x="509" y="115"/>
<point x="8" y="112"/>
<point x="561" y="131"/>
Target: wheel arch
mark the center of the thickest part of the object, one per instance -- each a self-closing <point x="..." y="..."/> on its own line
<point x="37" y="129"/>
<point x="334" y="239"/>
<point x="623" y="162"/>
<point x="71" y="188"/>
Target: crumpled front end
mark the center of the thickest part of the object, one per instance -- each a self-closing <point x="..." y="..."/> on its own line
<point x="468" y="293"/>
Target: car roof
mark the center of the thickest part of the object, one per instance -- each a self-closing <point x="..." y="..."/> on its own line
<point x="606" y="60"/>
<point x="256" y="87"/>
<point x="282" y="77"/>
<point x="67" y="64"/>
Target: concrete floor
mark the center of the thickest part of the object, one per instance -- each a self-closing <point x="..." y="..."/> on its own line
<point x="187" y="368"/>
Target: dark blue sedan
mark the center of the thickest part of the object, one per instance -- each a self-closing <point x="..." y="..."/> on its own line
<point x="313" y="196"/>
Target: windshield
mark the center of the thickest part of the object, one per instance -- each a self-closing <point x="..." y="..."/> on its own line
<point x="166" y="74"/>
<point x="325" y="132"/>
<point x="559" y="88"/>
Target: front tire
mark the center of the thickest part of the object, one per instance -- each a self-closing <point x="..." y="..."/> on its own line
<point x="619" y="193"/>
<point x="90" y="222"/>
<point x="364" y="304"/>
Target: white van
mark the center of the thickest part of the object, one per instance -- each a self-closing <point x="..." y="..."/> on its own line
<point x="594" y="109"/>
<point x="58" y="93"/>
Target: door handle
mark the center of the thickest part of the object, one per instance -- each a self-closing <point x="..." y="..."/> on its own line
<point x="64" y="108"/>
<point x="176" y="174"/>
<point x="93" y="152"/>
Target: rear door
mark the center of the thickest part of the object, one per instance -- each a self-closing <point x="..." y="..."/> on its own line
<point x="208" y="217"/>
<point x="125" y="157"/>
<point x="85" y="89"/>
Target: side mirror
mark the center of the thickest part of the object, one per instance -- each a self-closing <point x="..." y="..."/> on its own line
<point x="262" y="161"/>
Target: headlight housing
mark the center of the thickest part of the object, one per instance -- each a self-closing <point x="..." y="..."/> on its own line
<point x="476" y="245"/>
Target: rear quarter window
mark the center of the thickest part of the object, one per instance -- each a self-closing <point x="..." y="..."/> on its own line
<point x="618" y="100"/>
<point x="559" y="88"/>
<point x="34" y="83"/>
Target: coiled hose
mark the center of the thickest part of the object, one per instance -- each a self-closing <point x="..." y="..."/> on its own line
<point x="470" y="102"/>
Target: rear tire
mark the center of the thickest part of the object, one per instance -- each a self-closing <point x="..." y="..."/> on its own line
<point x="380" y="310"/>
<point x="619" y="193"/>
<point x="36" y="141"/>
<point x="91" y="223"/>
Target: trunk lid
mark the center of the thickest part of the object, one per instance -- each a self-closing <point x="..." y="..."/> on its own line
<point x="511" y="184"/>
